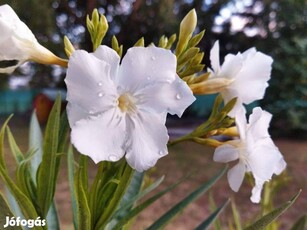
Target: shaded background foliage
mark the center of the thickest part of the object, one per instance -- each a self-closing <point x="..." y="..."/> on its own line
<point x="275" y="27"/>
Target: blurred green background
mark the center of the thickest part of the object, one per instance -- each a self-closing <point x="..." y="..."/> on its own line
<point x="277" y="28"/>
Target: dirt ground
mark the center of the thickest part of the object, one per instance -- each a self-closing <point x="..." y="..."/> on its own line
<point x="191" y="157"/>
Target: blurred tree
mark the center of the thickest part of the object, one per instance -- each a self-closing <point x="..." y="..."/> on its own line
<point x="276" y="27"/>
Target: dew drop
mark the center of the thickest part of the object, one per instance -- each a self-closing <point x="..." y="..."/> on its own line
<point x="178" y="96"/>
<point x="99" y="83"/>
<point x="153" y="58"/>
<point x="91" y="112"/>
<point x="113" y="158"/>
<point x="161" y="153"/>
<point x="100" y="94"/>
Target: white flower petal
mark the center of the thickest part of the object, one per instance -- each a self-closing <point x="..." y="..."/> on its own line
<point x="280" y="166"/>
<point x="88" y="83"/>
<point x="215" y="57"/>
<point x="75" y="113"/>
<point x="231" y="66"/>
<point x="226" y="153"/>
<point x="264" y="159"/>
<point x="251" y="81"/>
<point x="147" y="140"/>
<point x="241" y="123"/>
<point x="143" y="66"/>
<point x="259" y="122"/>
<point x="235" y="176"/>
<point x="109" y="56"/>
<point x="173" y="97"/>
<point x="101" y="137"/>
<point x="256" y="191"/>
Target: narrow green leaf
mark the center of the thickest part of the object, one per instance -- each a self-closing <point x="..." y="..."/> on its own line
<point x="236" y="215"/>
<point x="13" y="203"/>
<point x="300" y="224"/>
<point x="24" y="179"/>
<point x="6" y="212"/>
<point x="71" y="172"/>
<point x="52" y="218"/>
<point x="83" y="210"/>
<point x="22" y="200"/>
<point x="270" y="217"/>
<point x="2" y="133"/>
<point x="127" y="201"/>
<point x="46" y="178"/>
<point x="145" y="204"/>
<point x="35" y="143"/>
<point x="141" y="194"/>
<point x="14" y="147"/>
<point x="121" y="188"/>
<point x="204" y="225"/>
<point x="178" y="208"/>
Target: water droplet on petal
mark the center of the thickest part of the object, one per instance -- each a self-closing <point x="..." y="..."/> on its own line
<point x="99" y="83"/>
<point x="161" y="153"/>
<point x="116" y="102"/>
<point x="169" y="81"/>
<point x="178" y="96"/>
<point x="100" y="94"/>
<point x="113" y="158"/>
<point x="91" y="112"/>
<point x="153" y="58"/>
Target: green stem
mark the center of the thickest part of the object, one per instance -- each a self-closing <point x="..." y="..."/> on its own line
<point x="178" y="140"/>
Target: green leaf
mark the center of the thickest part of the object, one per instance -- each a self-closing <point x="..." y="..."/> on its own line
<point x="35" y="143"/>
<point x="46" y="177"/>
<point x="270" y="217"/>
<point x="13" y="203"/>
<point x="52" y="218"/>
<point x="14" y="147"/>
<point x="236" y="215"/>
<point x="212" y="217"/>
<point x="140" y="195"/>
<point x="2" y="132"/>
<point x="121" y="188"/>
<point x="127" y="201"/>
<point x="22" y="200"/>
<point x="178" y="208"/>
<point x="70" y="163"/>
<point x="83" y="210"/>
<point x="300" y="224"/>
<point x="145" y="204"/>
<point x="6" y="212"/>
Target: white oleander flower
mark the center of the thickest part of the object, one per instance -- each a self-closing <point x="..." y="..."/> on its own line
<point x="244" y="76"/>
<point x="255" y="151"/>
<point x="17" y="43"/>
<point x="120" y="109"/>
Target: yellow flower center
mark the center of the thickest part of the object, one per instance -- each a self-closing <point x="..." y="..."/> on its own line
<point x="126" y="103"/>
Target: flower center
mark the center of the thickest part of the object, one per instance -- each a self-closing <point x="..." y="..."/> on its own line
<point x="126" y="103"/>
